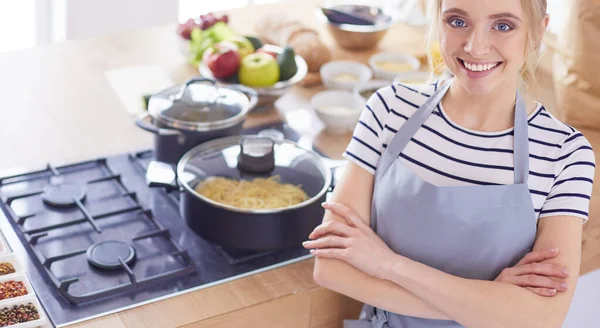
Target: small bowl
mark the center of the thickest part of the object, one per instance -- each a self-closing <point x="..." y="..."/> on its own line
<point x="372" y="85"/>
<point x="412" y="64"/>
<point x="343" y="119"/>
<point x="354" y="36"/>
<point x="10" y="302"/>
<point x="332" y="72"/>
<point x="18" y="278"/>
<point x="12" y="259"/>
<point x="415" y="78"/>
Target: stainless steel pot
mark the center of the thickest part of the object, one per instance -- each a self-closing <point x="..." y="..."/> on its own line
<point x="182" y="117"/>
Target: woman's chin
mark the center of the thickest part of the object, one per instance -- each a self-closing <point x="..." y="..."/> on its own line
<point x="478" y="87"/>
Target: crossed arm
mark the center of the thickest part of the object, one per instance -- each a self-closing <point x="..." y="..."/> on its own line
<point x="411" y="288"/>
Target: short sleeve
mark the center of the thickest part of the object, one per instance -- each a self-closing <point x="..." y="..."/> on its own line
<point x="572" y="188"/>
<point x="366" y="145"/>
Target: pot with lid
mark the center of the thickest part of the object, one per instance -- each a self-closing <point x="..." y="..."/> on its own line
<point x="185" y="116"/>
<point x="250" y="192"/>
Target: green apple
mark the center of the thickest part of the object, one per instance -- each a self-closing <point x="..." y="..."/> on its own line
<point x="244" y="45"/>
<point x="259" y="70"/>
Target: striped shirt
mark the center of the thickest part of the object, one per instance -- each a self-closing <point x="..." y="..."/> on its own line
<point x="561" y="160"/>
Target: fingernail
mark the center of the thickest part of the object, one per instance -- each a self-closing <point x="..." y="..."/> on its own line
<point x="305" y="242"/>
<point x="324" y="204"/>
<point x="563" y="285"/>
<point x="554" y="250"/>
<point x="565" y="271"/>
<point x="552" y="291"/>
<point x="312" y="251"/>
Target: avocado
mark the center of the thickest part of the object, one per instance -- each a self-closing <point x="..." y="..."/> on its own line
<point x="287" y="64"/>
<point x="255" y="41"/>
<point x="145" y="101"/>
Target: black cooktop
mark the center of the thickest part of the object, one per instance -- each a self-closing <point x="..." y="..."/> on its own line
<point x="99" y="239"/>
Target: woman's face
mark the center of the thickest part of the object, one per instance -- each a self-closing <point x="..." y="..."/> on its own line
<point x="483" y="42"/>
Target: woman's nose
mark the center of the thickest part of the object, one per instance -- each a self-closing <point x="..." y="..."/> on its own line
<point x="477" y="44"/>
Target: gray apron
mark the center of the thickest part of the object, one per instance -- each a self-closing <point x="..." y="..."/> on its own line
<point x="468" y="231"/>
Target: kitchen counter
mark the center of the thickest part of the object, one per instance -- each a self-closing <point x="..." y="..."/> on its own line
<point x="58" y="108"/>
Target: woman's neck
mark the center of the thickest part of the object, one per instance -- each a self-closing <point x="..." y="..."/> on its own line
<point x="493" y="111"/>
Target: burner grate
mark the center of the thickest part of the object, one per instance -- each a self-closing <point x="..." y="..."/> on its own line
<point x="134" y="283"/>
<point x="65" y="194"/>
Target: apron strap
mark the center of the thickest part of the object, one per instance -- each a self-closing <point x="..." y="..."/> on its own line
<point x="414" y="122"/>
<point x="521" y="141"/>
<point x="409" y="128"/>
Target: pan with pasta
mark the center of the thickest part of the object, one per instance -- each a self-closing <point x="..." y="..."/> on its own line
<point x="248" y="206"/>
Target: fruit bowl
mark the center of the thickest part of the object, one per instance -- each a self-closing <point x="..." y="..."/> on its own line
<point x="266" y="95"/>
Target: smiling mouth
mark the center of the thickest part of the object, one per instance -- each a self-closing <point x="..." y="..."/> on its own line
<point x="479" y="67"/>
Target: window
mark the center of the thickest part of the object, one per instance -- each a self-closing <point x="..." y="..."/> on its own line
<point x="17" y="24"/>
<point x="194" y="8"/>
<point x="557" y="10"/>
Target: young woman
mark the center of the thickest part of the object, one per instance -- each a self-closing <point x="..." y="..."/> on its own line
<point x="463" y="201"/>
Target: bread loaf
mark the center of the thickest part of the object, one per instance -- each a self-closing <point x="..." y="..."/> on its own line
<point x="284" y="31"/>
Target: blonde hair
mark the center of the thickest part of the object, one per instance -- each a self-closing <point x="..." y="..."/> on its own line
<point x="535" y="12"/>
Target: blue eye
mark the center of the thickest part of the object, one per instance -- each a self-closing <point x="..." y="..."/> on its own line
<point x="457" y="22"/>
<point x="503" y="27"/>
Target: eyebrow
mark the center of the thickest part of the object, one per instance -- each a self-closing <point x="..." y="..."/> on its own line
<point x="494" y="16"/>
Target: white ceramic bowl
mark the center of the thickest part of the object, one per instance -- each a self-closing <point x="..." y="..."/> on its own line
<point x="380" y="73"/>
<point x="331" y="72"/>
<point x="329" y="104"/>
<point x="373" y="85"/>
<point x="19" y="278"/>
<point x="12" y="259"/>
<point x="24" y="300"/>
<point x="415" y="78"/>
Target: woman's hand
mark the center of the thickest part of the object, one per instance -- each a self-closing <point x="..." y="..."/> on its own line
<point x="353" y="242"/>
<point x="535" y="276"/>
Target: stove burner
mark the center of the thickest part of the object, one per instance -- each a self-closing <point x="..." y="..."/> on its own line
<point x="63" y="194"/>
<point x="106" y="254"/>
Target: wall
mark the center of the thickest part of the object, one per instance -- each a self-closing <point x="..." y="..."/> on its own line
<point x="88" y="18"/>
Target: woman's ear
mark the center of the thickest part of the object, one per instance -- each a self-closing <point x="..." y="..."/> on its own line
<point x="543" y="28"/>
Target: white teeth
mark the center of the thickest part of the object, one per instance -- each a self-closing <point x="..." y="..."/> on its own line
<point x="479" y="67"/>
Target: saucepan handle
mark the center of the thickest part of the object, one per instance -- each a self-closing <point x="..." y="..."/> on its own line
<point x="142" y="122"/>
<point x="196" y="79"/>
<point x="160" y="174"/>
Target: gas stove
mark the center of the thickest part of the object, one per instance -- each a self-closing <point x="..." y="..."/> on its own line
<point x="99" y="240"/>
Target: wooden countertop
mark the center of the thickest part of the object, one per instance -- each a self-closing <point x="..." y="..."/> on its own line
<point x="58" y="108"/>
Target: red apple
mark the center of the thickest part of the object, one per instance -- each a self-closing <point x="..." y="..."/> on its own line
<point x="222" y="59"/>
<point x="274" y="54"/>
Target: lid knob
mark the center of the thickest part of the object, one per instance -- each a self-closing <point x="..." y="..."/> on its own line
<point x="177" y="96"/>
<point x="256" y="154"/>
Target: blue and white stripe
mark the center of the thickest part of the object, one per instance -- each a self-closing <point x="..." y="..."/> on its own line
<point x="445" y="154"/>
